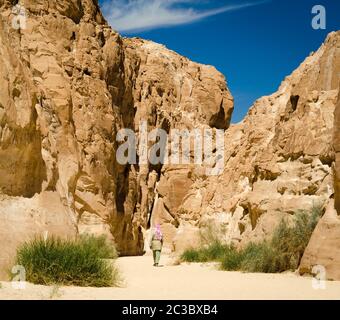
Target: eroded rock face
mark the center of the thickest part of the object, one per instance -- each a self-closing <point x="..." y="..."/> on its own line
<point x="22" y="219"/>
<point x="322" y="255"/>
<point x="278" y="160"/>
<point x="169" y="92"/>
<point x="337" y="155"/>
<point x="68" y="84"/>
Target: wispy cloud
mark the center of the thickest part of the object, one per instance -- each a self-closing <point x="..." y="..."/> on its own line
<point x="137" y="15"/>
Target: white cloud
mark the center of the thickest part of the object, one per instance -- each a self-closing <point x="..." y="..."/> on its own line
<point x="137" y="15"/>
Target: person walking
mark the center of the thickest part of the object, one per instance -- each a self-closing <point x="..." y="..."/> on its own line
<point x="156" y="244"/>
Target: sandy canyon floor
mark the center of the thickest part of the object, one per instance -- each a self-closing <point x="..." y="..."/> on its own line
<point x="187" y="281"/>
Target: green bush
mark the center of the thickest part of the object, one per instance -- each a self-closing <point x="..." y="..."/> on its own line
<point x="69" y="262"/>
<point x="231" y="260"/>
<point x="258" y="257"/>
<point x="212" y="252"/>
<point x="191" y="255"/>
<point x="290" y="242"/>
<point x="101" y="244"/>
<point x="283" y="252"/>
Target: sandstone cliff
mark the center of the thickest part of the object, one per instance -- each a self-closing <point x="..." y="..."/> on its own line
<point x="68" y="83"/>
<point x="322" y="255"/>
<point x="278" y="160"/>
<point x="337" y="155"/>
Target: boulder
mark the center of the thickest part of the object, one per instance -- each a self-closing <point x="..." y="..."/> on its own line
<point x="323" y="250"/>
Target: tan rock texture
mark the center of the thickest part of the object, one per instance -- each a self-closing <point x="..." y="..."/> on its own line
<point x="68" y="83"/>
<point x="337" y="155"/>
<point x="322" y="255"/>
<point x="279" y="159"/>
<point x="22" y="219"/>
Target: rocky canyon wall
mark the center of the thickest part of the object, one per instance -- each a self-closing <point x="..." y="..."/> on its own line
<point x="279" y="159"/>
<point x="337" y="155"/>
<point x="322" y="255"/>
<point x="68" y="84"/>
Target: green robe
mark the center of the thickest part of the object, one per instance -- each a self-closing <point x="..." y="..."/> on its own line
<point x="156" y="245"/>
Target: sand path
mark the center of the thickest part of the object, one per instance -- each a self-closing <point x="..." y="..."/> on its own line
<point x="194" y="281"/>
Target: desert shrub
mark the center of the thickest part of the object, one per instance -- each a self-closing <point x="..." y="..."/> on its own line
<point x="105" y="249"/>
<point x="68" y="262"/>
<point x="231" y="259"/>
<point x="255" y="257"/>
<point x="191" y="255"/>
<point x="290" y="242"/>
<point x="258" y="257"/>
<point x="212" y="252"/>
<point x="283" y="252"/>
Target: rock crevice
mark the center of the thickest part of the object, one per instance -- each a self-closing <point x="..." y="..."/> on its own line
<point x="68" y="84"/>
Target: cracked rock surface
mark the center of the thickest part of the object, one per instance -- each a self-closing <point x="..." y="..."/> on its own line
<point x="69" y="83"/>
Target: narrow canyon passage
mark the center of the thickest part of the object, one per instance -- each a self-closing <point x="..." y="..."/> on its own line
<point x="73" y="90"/>
<point x="187" y="281"/>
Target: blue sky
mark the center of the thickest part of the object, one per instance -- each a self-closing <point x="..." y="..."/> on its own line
<point x="255" y="44"/>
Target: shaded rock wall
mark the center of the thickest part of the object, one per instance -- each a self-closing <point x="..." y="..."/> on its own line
<point x="22" y="219"/>
<point x="322" y="255"/>
<point x="68" y="84"/>
<point x="337" y="155"/>
<point x="279" y="159"/>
